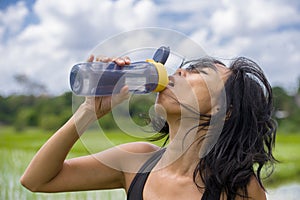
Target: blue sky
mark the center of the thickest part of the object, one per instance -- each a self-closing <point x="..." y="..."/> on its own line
<point x="43" y="39"/>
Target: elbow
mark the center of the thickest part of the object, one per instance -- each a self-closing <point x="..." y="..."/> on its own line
<point x="25" y="182"/>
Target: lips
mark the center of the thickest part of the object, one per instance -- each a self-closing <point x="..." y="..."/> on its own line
<point x="171" y="81"/>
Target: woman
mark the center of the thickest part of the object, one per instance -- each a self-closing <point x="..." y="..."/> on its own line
<point x="220" y="135"/>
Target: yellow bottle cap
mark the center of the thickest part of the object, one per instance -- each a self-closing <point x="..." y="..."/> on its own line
<point x="163" y="79"/>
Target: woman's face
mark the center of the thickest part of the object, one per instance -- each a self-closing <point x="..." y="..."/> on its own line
<point x="197" y="88"/>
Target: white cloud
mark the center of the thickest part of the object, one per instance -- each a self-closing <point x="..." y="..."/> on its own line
<point x="264" y="15"/>
<point x="224" y="22"/>
<point x="280" y="56"/>
<point x="252" y="18"/>
<point x="129" y="14"/>
<point x="13" y="17"/>
<point x="266" y="31"/>
<point x="65" y="32"/>
<point x="2" y="31"/>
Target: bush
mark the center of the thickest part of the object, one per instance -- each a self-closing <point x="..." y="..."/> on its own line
<point x="50" y="122"/>
<point x="25" y="117"/>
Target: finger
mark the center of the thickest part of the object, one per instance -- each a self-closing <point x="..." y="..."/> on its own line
<point x="123" y="61"/>
<point x="91" y="58"/>
<point x="104" y="59"/>
<point x="120" y="61"/>
<point x="124" y="91"/>
<point x="119" y="98"/>
<point x="127" y="60"/>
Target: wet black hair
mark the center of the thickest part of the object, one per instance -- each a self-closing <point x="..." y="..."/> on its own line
<point x="247" y="138"/>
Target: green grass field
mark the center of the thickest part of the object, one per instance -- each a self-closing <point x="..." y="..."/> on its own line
<point x="287" y="150"/>
<point x="17" y="149"/>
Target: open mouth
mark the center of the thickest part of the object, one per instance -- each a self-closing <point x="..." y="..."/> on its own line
<point x="171" y="81"/>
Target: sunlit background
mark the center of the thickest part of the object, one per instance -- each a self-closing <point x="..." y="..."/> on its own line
<point x="40" y="40"/>
<point x="43" y="39"/>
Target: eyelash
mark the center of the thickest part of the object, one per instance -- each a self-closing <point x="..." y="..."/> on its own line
<point x="204" y="72"/>
<point x="194" y="70"/>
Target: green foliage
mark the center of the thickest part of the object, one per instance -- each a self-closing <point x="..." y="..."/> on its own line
<point x="49" y="113"/>
<point x="46" y="112"/>
<point x="25" y="117"/>
<point x="286" y="149"/>
<point x="286" y="152"/>
<point x="140" y="107"/>
<point x="287" y="110"/>
<point x="107" y="122"/>
<point x="282" y="101"/>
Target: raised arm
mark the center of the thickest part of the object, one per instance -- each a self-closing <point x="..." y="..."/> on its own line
<point x="49" y="171"/>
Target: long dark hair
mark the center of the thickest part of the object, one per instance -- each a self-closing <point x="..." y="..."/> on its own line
<point x="247" y="138"/>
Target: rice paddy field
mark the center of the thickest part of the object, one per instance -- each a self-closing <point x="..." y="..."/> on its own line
<point x="17" y="149"/>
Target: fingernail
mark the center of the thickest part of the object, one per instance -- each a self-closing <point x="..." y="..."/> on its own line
<point x="121" y="61"/>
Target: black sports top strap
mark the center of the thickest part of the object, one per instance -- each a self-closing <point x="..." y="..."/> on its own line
<point x="136" y="188"/>
<point x="135" y="191"/>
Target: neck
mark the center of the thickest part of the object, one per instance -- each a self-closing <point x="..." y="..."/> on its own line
<point x="183" y="152"/>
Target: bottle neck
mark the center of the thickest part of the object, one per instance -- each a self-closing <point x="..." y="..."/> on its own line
<point x="162" y="75"/>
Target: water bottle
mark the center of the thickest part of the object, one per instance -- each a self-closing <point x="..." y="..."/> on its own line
<point x="102" y="79"/>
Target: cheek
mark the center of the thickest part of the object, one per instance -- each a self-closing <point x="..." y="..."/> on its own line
<point x="203" y="99"/>
<point x="209" y="96"/>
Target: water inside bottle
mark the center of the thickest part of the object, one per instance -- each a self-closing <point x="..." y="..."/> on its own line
<point x="90" y="79"/>
<point x="136" y="84"/>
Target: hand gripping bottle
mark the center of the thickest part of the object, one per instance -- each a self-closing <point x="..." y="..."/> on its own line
<point x="102" y="79"/>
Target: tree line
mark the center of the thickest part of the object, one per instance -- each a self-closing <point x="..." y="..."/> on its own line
<point x="51" y="112"/>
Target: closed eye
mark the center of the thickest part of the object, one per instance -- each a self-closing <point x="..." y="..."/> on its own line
<point x="203" y="72"/>
<point x="195" y="70"/>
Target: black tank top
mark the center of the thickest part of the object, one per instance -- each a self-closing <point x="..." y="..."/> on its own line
<point x="135" y="191"/>
<point x="136" y="188"/>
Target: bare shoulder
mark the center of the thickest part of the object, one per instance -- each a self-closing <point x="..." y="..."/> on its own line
<point x="134" y="156"/>
<point x="125" y="157"/>
<point x="255" y="191"/>
<point x="139" y="147"/>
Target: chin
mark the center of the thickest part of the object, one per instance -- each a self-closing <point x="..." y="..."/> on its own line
<point x="160" y="110"/>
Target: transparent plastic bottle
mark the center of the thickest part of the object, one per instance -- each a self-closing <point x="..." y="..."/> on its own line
<point x="103" y="79"/>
